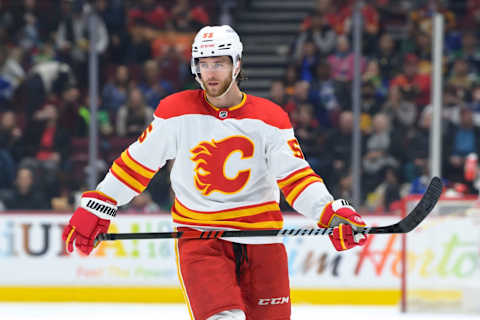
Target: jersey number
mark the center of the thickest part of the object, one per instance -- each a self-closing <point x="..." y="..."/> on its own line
<point x="144" y="134"/>
<point x="295" y="147"/>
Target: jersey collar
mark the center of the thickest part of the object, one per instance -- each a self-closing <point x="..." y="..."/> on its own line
<point x="235" y="107"/>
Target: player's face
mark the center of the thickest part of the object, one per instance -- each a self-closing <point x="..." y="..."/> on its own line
<point x="216" y="74"/>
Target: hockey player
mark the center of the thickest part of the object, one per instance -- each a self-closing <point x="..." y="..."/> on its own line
<point x="233" y="154"/>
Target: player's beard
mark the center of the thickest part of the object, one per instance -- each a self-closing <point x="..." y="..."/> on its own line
<point x="223" y="87"/>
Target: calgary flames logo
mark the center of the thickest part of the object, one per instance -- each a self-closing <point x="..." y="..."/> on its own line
<point x="211" y="158"/>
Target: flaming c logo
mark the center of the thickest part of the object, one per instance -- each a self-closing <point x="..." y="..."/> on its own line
<point x="211" y="158"/>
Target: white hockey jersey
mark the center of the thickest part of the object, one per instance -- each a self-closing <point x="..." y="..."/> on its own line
<point x="230" y="164"/>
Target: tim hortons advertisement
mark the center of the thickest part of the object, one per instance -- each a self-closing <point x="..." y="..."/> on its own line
<point x="33" y="254"/>
<point x="444" y="253"/>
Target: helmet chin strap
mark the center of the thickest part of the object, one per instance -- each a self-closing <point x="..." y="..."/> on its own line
<point x="229" y="87"/>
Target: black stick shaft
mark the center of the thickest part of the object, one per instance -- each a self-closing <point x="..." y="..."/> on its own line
<point x="412" y="220"/>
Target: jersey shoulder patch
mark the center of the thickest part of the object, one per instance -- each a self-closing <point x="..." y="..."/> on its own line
<point x="180" y="103"/>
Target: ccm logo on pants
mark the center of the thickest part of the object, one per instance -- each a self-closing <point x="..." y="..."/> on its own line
<point x="268" y="301"/>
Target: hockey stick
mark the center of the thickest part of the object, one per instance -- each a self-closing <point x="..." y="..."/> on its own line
<point x="410" y="222"/>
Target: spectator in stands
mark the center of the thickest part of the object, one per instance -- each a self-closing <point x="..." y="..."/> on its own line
<point x="308" y="132"/>
<point x="72" y="38"/>
<point x="135" y="116"/>
<point x="46" y="140"/>
<point x="392" y="189"/>
<point x="307" y="61"/>
<point x="475" y="105"/>
<point x="278" y="94"/>
<point x="139" y="31"/>
<point x="153" y="87"/>
<point x="44" y="52"/>
<point x="300" y="95"/>
<point x="420" y="183"/>
<point x="420" y="19"/>
<point x="25" y="195"/>
<point x="114" y="93"/>
<point x="113" y="14"/>
<point x="169" y="43"/>
<point x="393" y="13"/>
<point x="461" y="140"/>
<point x="7" y="169"/>
<point x="148" y="12"/>
<point x="452" y="104"/>
<point x="323" y="96"/>
<point x="11" y="136"/>
<point x="462" y="78"/>
<point x="83" y="119"/>
<point x="187" y="18"/>
<point x="47" y="80"/>
<point x="377" y="156"/>
<point x="323" y="8"/>
<point x="372" y="95"/>
<point x="290" y="79"/>
<point x="402" y="112"/>
<point x="470" y="51"/>
<point x="341" y="62"/>
<point x="370" y="17"/>
<point x="374" y="78"/>
<point x="138" y="47"/>
<point x="389" y="60"/>
<point x="343" y="186"/>
<point x="471" y="20"/>
<point x="26" y="24"/>
<point x="11" y="74"/>
<point x="9" y="145"/>
<point x="414" y="86"/>
<point x="416" y="146"/>
<point x="320" y="33"/>
<point x="386" y="193"/>
<point x="68" y="108"/>
<point x="371" y="24"/>
<point x="338" y="144"/>
<point x="420" y="45"/>
<point x="47" y="146"/>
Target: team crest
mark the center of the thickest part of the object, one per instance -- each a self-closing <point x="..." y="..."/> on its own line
<point x="210" y="159"/>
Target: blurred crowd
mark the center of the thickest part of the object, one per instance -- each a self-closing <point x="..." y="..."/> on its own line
<point x="144" y="51"/>
<point x="143" y="55"/>
<point x="395" y="89"/>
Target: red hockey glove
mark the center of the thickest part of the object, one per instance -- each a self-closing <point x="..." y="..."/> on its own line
<point x="91" y="218"/>
<point x="343" y="217"/>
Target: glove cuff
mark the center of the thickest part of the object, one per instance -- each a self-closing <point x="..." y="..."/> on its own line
<point x="340" y="204"/>
<point x="339" y="211"/>
<point x="99" y="204"/>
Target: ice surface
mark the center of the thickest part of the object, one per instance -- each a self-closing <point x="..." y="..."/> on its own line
<point x="94" y="311"/>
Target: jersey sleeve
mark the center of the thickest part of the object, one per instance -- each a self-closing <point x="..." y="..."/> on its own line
<point x="303" y="189"/>
<point x="131" y="172"/>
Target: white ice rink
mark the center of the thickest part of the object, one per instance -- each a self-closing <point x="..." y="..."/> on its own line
<point x="89" y="311"/>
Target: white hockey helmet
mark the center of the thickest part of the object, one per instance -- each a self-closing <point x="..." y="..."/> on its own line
<point x="216" y="41"/>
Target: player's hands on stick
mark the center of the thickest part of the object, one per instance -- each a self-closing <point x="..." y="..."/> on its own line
<point x="345" y="220"/>
<point x="91" y="218"/>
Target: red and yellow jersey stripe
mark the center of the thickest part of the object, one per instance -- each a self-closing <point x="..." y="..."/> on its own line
<point x="261" y="216"/>
<point x="294" y="184"/>
<point x="131" y="172"/>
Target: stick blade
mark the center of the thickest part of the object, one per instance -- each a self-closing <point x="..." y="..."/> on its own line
<point x="419" y="213"/>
